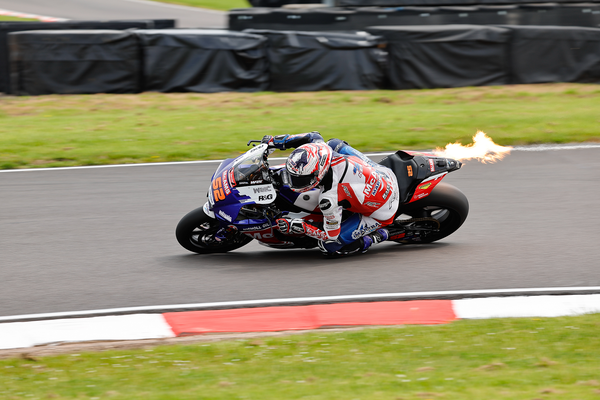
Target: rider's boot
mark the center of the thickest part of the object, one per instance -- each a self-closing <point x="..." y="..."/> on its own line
<point x="361" y="245"/>
<point x="380" y="235"/>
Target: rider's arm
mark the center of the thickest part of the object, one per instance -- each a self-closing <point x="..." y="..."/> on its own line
<point x="332" y="216"/>
<point x="283" y="142"/>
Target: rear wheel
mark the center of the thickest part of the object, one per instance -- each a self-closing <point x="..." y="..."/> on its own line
<point x="434" y="217"/>
<point x="196" y="232"/>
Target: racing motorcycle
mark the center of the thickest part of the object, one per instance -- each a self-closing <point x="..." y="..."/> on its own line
<point x="246" y="196"/>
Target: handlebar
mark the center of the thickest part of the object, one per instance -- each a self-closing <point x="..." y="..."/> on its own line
<point x="253" y="141"/>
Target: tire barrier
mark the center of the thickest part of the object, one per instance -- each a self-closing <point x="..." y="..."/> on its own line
<point x="279" y="3"/>
<point x="196" y="60"/>
<point x="401" y="3"/>
<point x="339" y="19"/>
<point x="542" y="54"/>
<point x="446" y="56"/>
<point x="192" y="60"/>
<point x="7" y="27"/>
<point x="474" y="55"/>
<point x="310" y="61"/>
<point x="74" y="62"/>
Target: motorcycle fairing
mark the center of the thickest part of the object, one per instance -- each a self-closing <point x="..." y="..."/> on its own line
<point x="412" y="169"/>
<point x="239" y="183"/>
<point x="425" y="187"/>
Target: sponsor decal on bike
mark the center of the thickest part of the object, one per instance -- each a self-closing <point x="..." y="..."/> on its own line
<point x="265" y="197"/>
<point x="262" y="194"/>
<point x="260" y="235"/>
<point x="431" y="165"/>
<point x="256" y="182"/>
<point x="262" y="189"/>
<point x="425" y="186"/>
<point x="226" y="184"/>
<point x="409" y="170"/>
<point x="421" y="195"/>
<point x="217" y="189"/>
<point x="224" y="215"/>
<point x="255" y="228"/>
<point x="398" y="236"/>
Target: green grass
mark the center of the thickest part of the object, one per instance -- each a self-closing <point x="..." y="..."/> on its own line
<point x="14" y="19"/>
<point x="502" y="359"/>
<point x="212" y="4"/>
<point x="53" y="131"/>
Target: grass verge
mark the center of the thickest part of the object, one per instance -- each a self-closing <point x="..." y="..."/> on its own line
<point x="528" y="358"/>
<point x="53" y="131"/>
<point x="223" y="5"/>
<point x="14" y="19"/>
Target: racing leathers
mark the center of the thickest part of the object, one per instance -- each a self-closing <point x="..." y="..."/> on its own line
<point x="353" y="183"/>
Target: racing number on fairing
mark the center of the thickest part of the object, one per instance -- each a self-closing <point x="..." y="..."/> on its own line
<point x="218" y="193"/>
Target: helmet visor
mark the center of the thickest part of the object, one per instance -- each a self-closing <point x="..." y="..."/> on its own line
<point x="300" y="182"/>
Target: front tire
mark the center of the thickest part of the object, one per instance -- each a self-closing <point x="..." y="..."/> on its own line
<point x="446" y="204"/>
<point x="196" y="233"/>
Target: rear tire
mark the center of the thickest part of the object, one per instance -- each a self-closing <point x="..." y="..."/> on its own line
<point x="447" y="204"/>
<point x="196" y="231"/>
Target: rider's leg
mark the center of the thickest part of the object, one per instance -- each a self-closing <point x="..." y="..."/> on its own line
<point x="358" y="233"/>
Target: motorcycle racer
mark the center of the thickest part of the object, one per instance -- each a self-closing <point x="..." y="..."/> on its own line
<point x="348" y="180"/>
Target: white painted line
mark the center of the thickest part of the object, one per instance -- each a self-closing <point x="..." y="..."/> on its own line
<point x="520" y="306"/>
<point x="549" y="147"/>
<point x="301" y="300"/>
<point x="111" y="166"/>
<point x="31" y="16"/>
<point x="521" y="148"/>
<point x="124" y="327"/>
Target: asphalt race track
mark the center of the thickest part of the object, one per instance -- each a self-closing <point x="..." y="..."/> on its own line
<point x="187" y="17"/>
<point x="84" y="239"/>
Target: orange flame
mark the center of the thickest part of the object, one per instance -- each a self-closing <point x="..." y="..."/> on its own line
<point x="482" y="149"/>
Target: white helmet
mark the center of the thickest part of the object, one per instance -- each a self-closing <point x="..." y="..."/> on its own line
<point x="307" y="165"/>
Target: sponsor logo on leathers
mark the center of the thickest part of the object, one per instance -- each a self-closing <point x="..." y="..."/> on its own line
<point x="362" y="230"/>
<point x="346" y="191"/>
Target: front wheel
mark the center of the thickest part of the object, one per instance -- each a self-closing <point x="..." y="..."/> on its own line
<point x="434" y="217"/>
<point x="196" y="232"/>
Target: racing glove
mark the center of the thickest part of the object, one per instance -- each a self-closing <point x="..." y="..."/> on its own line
<point x="298" y="226"/>
<point x="289" y="226"/>
<point x="268" y="140"/>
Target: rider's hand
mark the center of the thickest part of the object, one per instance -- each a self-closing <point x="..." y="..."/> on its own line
<point x="291" y="226"/>
<point x="268" y="139"/>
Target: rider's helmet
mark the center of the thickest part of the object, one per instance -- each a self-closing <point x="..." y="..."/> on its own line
<point x="307" y="165"/>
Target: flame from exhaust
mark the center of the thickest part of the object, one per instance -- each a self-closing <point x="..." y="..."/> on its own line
<point x="482" y="149"/>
